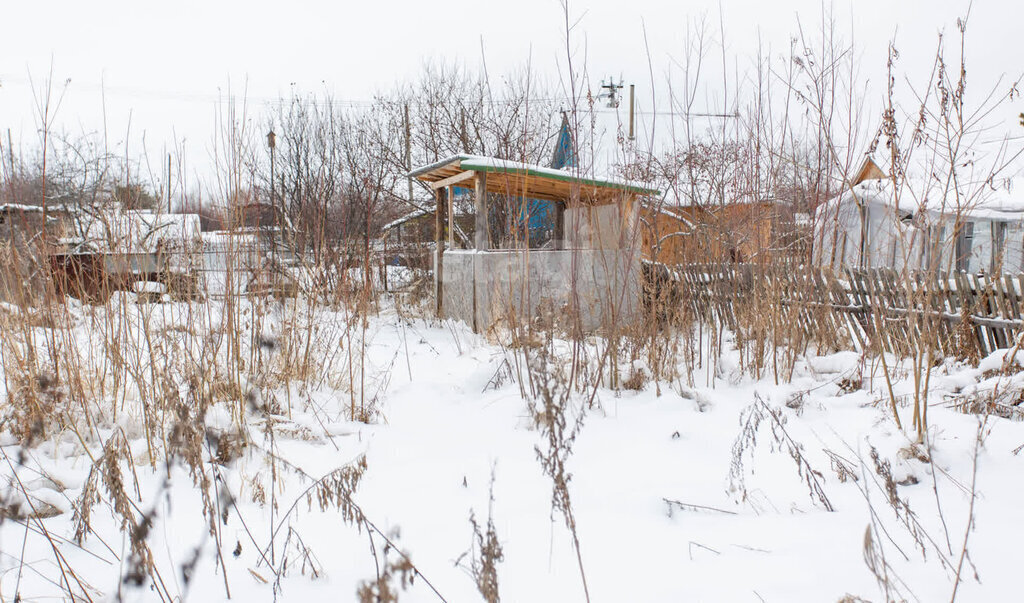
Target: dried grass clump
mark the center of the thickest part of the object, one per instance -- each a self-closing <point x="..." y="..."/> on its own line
<point x="636" y="381"/>
<point x="37" y="406"/>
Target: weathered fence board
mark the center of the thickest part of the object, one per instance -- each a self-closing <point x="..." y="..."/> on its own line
<point x="877" y="307"/>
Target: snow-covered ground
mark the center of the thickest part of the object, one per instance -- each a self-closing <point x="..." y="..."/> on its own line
<point x="719" y="491"/>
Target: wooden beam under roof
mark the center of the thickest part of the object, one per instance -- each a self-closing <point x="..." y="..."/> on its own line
<point x="520" y="185"/>
<point x="450" y="180"/>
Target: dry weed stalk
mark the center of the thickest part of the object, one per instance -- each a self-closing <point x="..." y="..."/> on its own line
<point x="137" y="524"/>
<point x="746" y="442"/>
<point x="384" y="588"/>
<point x="559" y="424"/>
<point x="485" y="553"/>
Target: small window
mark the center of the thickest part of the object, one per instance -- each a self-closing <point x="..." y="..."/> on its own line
<point x="964" y="245"/>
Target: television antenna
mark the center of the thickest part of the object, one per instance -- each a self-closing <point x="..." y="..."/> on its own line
<point x="610" y="92"/>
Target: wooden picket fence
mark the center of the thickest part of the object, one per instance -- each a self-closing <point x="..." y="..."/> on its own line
<point x="960" y="313"/>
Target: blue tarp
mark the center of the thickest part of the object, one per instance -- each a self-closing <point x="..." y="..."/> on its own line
<point x="539" y="214"/>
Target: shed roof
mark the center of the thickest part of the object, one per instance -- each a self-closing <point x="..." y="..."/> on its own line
<point x="976" y="200"/>
<point x="418" y="213"/>
<point x="135" y="231"/>
<point x="526" y="180"/>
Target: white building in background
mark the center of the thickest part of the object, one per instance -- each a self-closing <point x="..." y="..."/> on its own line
<point x="923" y="227"/>
<point x="113" y="230"/>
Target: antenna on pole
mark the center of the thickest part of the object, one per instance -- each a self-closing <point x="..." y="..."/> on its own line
<point x="610" y="91"/>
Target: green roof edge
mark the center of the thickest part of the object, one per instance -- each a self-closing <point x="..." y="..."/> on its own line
<point x="471" y="164"/>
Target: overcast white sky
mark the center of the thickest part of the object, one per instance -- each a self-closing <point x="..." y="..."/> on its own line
<point x="165" y="63"/>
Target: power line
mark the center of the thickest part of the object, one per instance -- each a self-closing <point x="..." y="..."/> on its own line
<point x="206" y="97"/>
<point x="681" y="114"/>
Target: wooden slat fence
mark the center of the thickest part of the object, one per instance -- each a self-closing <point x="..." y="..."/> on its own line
<point x="959" y="313"/>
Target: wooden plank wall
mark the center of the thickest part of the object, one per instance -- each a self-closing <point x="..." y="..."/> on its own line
<point x="960" y="314"/>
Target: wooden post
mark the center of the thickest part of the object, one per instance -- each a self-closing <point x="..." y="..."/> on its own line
<point x="482" y="232"/>
<point x="451" y="216"/>
<point x="408" y="150"/>
<point x="439" y="211"/>
<point x="384" y="263"/>
<point x="559" y="234"/>
<point x="481" y="237"/>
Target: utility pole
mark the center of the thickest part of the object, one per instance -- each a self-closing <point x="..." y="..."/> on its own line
<point x="462" y="130"/>
<point x="408" y="149"/>
<point x="168" y="183"/>
<point x="632" y="105"/>
<point x="612" y="92"/>
<point x="272" y="143"/>
<point x="10" y="178"/>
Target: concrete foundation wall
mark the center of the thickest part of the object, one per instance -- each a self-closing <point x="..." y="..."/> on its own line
<point x="484" y="288"/>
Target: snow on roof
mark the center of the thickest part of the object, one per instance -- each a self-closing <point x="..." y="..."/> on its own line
<point x="999" y="200"/>
<point x="12" y="207"/>
<point x="673" y="199"/>
<point x="479" y="163"/>
<point x="409" y="216"/>
<point x="8" y="208"/>
<point x="140" y="231"/>
<point x="671" y="211"/>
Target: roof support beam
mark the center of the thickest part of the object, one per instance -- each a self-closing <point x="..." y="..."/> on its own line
<point x="450" y="180"/>
<point x="439" y="222"/>
<point x="451" y="217"/>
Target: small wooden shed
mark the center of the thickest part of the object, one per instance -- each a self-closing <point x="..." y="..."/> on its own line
<point x="588" y="270"/>
<point x="741" y="231"/>
<point x="920" y="223"/>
